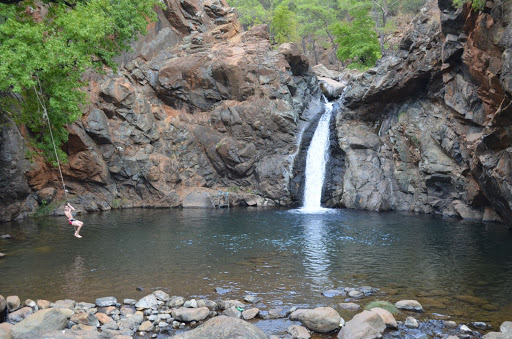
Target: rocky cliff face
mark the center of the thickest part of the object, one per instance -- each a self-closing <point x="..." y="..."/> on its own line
<point x="200" y="106"/>
<point x="428" y="130"/>
<point x="197" y="107"/>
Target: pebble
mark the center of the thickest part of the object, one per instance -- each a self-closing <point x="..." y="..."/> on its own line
<point x="479" y="325"/>
<point x="410" y="322"/>
<point x="450" y="324"/>
<point x="129" y="301"/>
<point x="252" y="299"/>
<point x="146" y="322"/>
<point x="465" y="329"/>
<point x="355" y="294"/>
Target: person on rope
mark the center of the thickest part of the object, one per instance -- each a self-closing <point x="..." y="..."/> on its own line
<point x="77" y="223"/>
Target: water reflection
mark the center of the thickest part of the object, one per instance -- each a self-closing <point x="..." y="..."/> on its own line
<point x="316" y="259"/>
<point x="74" y="277"/>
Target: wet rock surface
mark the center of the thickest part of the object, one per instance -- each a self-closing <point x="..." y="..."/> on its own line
<point x="425" y="130"/>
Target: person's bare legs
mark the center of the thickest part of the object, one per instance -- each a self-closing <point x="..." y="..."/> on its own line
<point x="78" y="224"/>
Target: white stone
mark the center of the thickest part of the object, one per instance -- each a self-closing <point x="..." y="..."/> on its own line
<point x="411" y="322"/>
<point x="410" y="305"/>
<point x="465" y="329"/>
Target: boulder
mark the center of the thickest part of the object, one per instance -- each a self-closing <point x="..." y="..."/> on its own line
<point x="13" y="303"/>
<point x="161" y="295"/>
<point x="233" y="312"/>
<point x="332" y="89"/>
<point x="388" y="318"/>
<point x="299" y="64"/>
<point x="5" y="330"/>
<point x="127" y="324"/>
<point x="38" y="323"/>
<point x="85" y="319"/>
<point x="146" y="326"/>
<point x="506" y="327"/>
<point x="298" y="332"/>
<point x="411" y="322"/>
<point x="66" y="303"/>
<point x="333" y="293"/>
<point x="322" y="71"/>
<point x="3" y="304"/>
<point x="76" y="334"/>
<point x="147" y="302"/>
<point x="320" y="319"/>
<point x="127" y="311"/>
<point x="252" y="299"/>
<point x="42" y="304"/>
<point x="225" y="304"/>
<point x="355" y="294"/>
<point x="197" y="200"/>
<point x="350" y="306"/>
<point x="505" y="332"/>
<point x="106" y="301"/>
<point x="409" y="305"/>
<point x="250" y="313"/>
<point x="19" y="315"/>
<point x="103" y="318"/>
<point x="367" y="325"/>
<point x="176" y="301"/>
<point x="223" y="327"/>
<point x="190" y="314"/>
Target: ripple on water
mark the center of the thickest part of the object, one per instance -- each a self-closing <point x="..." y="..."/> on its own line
<point x="288" y="257"/>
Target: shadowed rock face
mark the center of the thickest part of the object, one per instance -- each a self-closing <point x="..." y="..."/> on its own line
<point x="428" y="130"/>
<point x="198" y="106"/>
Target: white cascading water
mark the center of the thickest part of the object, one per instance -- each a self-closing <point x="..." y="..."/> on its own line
<point x="315" y="162"/>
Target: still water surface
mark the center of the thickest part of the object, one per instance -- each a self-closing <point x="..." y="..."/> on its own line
<point x="284" y="256"/>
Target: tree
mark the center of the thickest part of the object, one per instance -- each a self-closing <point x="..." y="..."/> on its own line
<point x="357" y="38"/>
<point x="317" y="19"/>
<point x="284" y="24"/>
<point x="43" y="58"/>
<point x="382" y="10"/>
<point x="250" y="12"/>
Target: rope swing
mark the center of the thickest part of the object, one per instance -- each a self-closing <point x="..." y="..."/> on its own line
<point x="45" y="115"/>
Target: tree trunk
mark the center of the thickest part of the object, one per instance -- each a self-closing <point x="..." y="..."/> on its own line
<point x="314" y="49"/>
<point x="303" y="39"/>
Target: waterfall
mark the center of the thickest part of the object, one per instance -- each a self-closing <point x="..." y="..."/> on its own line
<point x="315" y="162"/>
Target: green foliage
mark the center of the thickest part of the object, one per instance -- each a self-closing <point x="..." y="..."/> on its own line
<point x="382" y="304"/>
<point x="47" y="209"/>
<point x="284" y="24"/>
<point x="43" y="60"/>
<point x="476" y="5"/>
<point x="357" y="39"/>
<point x="250" y="12"/>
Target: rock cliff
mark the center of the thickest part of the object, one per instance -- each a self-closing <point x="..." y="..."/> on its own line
<point x="198" y="106"/>
<point x="428" y="129"/>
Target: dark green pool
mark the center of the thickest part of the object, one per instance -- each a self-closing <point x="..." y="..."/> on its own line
<point x="285" y="257"/>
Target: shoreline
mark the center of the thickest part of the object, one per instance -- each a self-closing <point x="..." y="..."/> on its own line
<point x="159" y="315"/>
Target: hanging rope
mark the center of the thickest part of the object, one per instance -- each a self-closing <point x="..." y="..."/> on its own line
<point x="45" y="115"/>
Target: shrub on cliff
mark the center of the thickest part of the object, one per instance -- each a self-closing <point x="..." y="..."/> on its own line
<point x="45" y="51"/>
